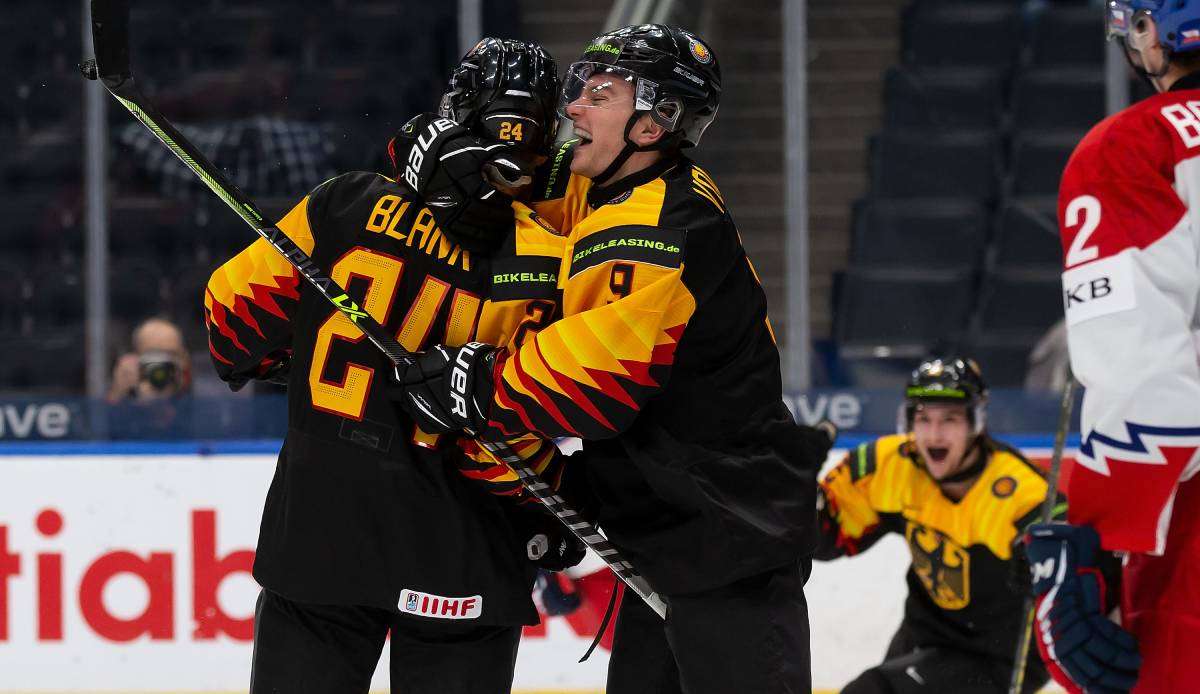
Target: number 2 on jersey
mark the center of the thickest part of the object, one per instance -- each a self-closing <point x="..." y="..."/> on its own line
<point x="1087" y="206"/>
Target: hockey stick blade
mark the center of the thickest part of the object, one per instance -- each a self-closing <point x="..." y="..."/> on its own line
<point x="110" y="22"/>
<point x="110" y="34"/>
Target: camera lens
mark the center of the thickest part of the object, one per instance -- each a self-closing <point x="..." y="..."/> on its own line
<point x="159" y="370"/>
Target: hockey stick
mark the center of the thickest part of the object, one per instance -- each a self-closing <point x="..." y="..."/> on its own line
<point x="1047" y="513"/>
<point x="110" y="33"/>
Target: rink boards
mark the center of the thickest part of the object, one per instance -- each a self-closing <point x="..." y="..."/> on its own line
<point x="129" y="572"/>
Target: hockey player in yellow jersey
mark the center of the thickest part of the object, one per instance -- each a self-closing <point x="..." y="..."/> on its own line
<point x="960" y="499"/>
<point x="369" y="527"/>
<point x="665" y="364"/>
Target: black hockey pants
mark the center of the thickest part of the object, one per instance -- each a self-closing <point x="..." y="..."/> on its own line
<point x="749" y="637"/>
<point x="909" y="669"/>
<point x="331" y="649"/>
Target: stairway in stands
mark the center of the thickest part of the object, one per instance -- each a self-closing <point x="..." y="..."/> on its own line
<point x="851" y="45"/>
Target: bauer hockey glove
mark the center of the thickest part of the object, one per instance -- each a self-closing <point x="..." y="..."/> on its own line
<point x="447" y="389"/>
<point x="453" y="173"/>
<point x="1082" y="648"/>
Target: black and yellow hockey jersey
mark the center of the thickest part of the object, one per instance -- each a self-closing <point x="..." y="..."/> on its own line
<point x="664" y="362"/>
<point x="363" y="505"/>
<point x="961" y="591"/>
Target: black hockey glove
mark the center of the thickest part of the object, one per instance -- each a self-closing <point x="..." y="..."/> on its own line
<point x="444" y="165"/>
<point x="447" y="389"/>
<point x="550" y="545"/>
<point x="1083" y="650"/>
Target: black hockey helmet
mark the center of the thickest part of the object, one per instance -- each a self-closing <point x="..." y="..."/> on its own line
<point x="675" y="78"/>
<point x="951" y="380"/>
<point x="506" y="90"/>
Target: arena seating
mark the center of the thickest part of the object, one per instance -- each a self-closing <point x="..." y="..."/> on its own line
<point x="989" y="100"/>
<point x="334" y="65"/>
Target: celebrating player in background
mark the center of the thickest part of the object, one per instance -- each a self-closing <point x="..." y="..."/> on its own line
<point x="960" y="499"/>
<point x="369" y="527"/>
<point x="1129" y="210"/>
<point x="665" y="364"/>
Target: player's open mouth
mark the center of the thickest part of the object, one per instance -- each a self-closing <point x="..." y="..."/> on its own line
<point x="938" y="455"/>
<point x="585" y="138"/>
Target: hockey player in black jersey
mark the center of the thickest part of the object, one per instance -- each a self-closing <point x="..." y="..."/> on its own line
<point x="961" y="499"/>
<point x="665" y="364"/>
<point x="371" y="525"/>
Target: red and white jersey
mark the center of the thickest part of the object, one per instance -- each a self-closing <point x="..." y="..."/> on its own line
<point x="1129" y="211"/>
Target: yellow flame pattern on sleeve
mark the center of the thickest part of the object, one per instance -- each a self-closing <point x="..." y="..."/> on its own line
<point x="591" y="372"/>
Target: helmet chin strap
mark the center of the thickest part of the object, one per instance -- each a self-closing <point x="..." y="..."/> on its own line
<point x="630" y="148"/>
<point x="623" y="156"/>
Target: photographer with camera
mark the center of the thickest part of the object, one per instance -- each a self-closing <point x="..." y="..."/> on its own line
<point x="158" y="367"/>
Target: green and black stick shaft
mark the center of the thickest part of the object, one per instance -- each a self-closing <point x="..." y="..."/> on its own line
<point x="1045" y="516"/>
<point x="110" y="33"/>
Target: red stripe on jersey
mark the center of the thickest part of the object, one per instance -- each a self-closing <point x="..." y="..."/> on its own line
<point x="539" y="396"/>
<point x="507" y="401"/>
<point x="218" y="317"/>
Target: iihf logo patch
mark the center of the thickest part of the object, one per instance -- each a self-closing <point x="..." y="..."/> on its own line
<point x="700" y="51"/>
<point x="440" y="606"/>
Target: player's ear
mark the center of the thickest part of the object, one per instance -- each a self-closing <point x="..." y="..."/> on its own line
<point x="646" y="132"/>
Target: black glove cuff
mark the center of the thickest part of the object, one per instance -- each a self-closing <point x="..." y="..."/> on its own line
<point x="469" y="377"/>
<point x="415" y="148"/>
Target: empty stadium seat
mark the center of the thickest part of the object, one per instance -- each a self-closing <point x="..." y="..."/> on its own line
<point x="1020" y="302"/>
<point x="962" y="34"/>
<point x="147" y="226"/>
<point x="13" y="296"/>
<point x="1065" y="34"/>
<point x="155" y="40"/>
<point x="933" y="163"/>
<point x="186" y="305"/>
<point x="1058" y="99"/>
<point x="345" y="42"/>
<point x="216" y="43"/>
<point x="1027" y="235"/>
<point x="889" y="369"/>
<point x="135" y="286"/>
<point x="25" y="227"/>
<point x="57" y="298"/>
<point x="25" y="366"/>
<point x="1004" y="361"/>
<point x="50" y="101"/>
<point x="43" y="163"/>
<point x="897" y="307"/>
<point x="1038" y="162"/>
<point x="942" y="98"/>
<point x="939" y="233"/>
